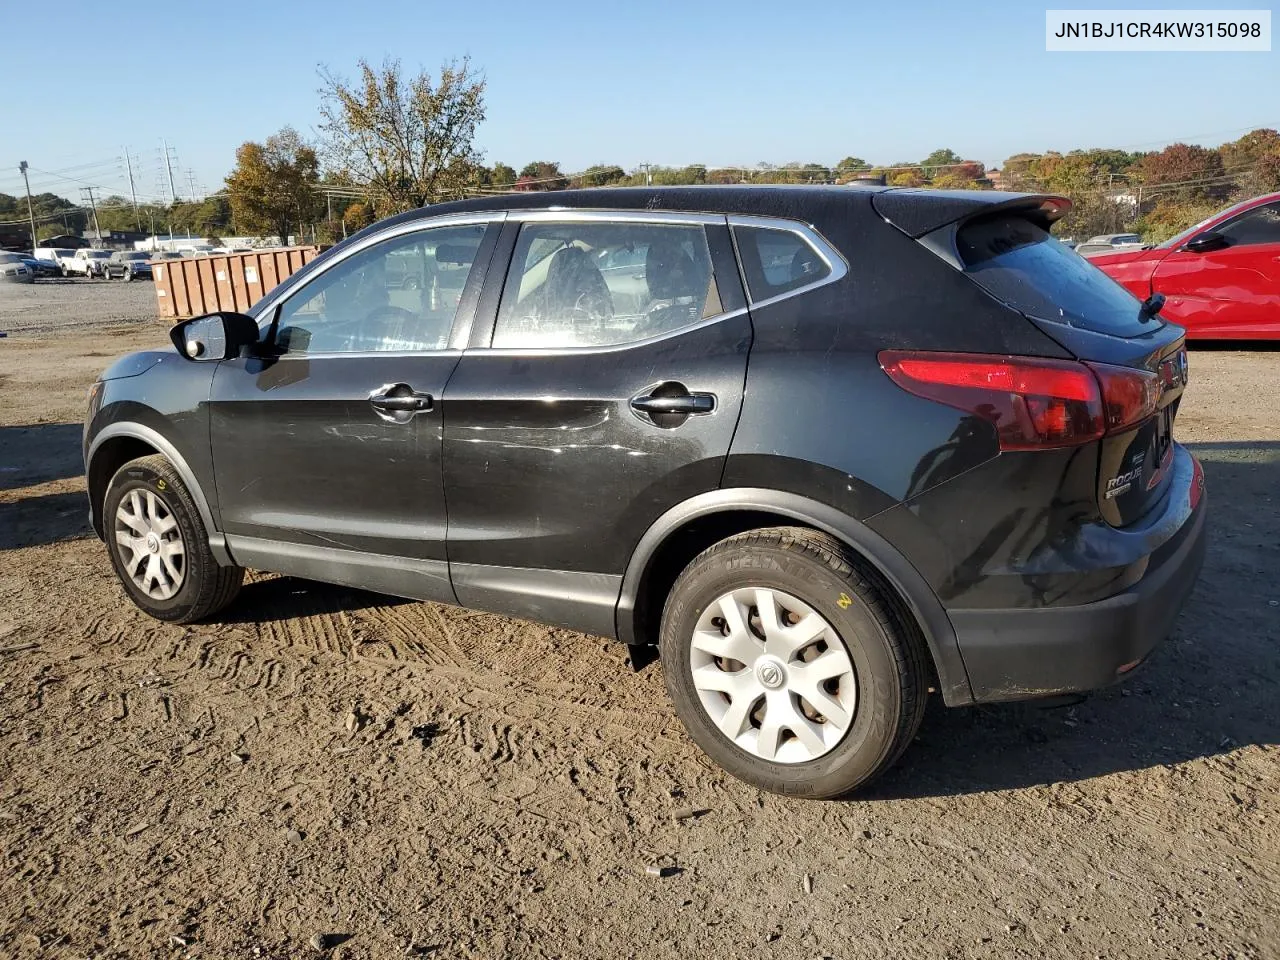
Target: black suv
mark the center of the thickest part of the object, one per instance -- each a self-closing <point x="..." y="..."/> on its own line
<point x="827" y="449"/>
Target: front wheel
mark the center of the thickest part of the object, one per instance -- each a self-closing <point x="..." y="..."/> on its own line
<point x="159" y="547"/>
<point x="789" y="666"/>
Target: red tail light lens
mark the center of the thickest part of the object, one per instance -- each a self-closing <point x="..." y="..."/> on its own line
<point x="1035" y="403"/>
<point x="1130" y="396"/>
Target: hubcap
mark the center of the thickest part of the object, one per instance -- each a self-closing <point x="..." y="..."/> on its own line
<point x="773" y="675"/>
<point x="149" y="544"/>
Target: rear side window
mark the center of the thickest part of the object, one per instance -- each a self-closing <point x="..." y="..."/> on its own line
<point x="777" y="261"/>
<point x="1257" y="226"/>
<point x="1018" y="262"/>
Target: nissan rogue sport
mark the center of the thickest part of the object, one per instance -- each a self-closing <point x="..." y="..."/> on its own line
<point x="826" y="449"/>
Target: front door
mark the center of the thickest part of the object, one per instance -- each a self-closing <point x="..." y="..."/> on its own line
<point x="1233" y="291"/>
<point x="606" y="392"/>
<point x="327" y="458"/>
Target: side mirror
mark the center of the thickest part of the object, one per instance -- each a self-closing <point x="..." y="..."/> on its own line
<point x="1207" y="242"/>
<point x="215" y="336"/>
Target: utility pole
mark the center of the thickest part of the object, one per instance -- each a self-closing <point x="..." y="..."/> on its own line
<point x="137" y="217"/>
<point x="191" y="183"/>
<point x="97" y="229"/>
<point x="173" y="193"/>
<point x="22" y="168"/>
<point x="648" y="177"/>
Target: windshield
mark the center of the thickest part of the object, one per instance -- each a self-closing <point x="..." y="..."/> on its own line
<point x="98" y="254"/>
<point x="1018" y="262"/>
<point x="1187" y="233"/>
<point x="133" y="256"/>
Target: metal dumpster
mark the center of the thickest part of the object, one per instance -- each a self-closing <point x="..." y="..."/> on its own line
<point x="192" y="286"/>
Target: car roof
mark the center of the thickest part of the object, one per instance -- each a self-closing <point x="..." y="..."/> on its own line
<point x="915" y="210"/>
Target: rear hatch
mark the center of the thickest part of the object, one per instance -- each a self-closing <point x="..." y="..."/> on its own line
<point x="1141" y="363"/>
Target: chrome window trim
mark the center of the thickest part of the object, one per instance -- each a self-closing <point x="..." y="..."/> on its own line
<point x="267" y="305"/>
<point x="834" y="259"/>
<point x="603" y="348"/>
<point x="402" y="354"/>
<point x="571" y="215"/>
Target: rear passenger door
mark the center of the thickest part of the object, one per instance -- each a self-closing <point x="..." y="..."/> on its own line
<point x="603" y="390"/>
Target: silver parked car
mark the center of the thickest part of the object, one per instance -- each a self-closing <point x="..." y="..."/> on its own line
<point x="128" y="265"/>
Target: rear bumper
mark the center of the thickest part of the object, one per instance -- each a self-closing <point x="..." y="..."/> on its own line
<point x="1043" y="651"/>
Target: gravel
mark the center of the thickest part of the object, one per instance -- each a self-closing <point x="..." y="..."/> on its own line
<point x="51" y="306"/>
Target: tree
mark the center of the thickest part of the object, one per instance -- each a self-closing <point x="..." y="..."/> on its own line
<point x="852" y="165"/>
<point x="411" y="140"/>
<point x="541" y="175"/>
<point x="273" y="185"/>
<point x="1190" y="173"/>
<point x="502" y="175"/>
<point x="600" y="176"/>
<point x="940" y="158"/>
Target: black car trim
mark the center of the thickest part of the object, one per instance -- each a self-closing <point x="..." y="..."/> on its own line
<point x="564" y="598"/>
<point x="924" y="605"/>
<point x="415" y="578"/>
<point x="138" y="431"/>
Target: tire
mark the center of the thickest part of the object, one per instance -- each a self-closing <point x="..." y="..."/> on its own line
<point x="202" y="586"/>
<point x="882" y="694"/>
<point x="127" y="276"/>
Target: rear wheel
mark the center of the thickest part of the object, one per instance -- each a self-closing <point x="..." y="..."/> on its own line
<point x="159" y="547"/>
<point x="788" y="666"/>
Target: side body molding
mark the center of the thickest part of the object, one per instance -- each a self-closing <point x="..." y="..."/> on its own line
<point x="893" y="566"/>
<point x="138" y="431"/>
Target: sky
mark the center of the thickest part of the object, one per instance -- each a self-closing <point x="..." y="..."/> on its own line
<point x="717" y="83"/>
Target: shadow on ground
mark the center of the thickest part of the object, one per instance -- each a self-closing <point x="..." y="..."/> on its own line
<point x="283" y="598"/>
<point x="1209" y="689"/>
<point x="38" y="453"/>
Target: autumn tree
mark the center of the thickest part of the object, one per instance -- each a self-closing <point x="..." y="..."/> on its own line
<point x="1185" y="171"/>
<point x="1254" y="160"/>
<point x="272" y="189"/>
<point x="409" y="139"/>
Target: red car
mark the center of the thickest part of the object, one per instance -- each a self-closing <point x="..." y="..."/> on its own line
<point x="1221" y="278"/>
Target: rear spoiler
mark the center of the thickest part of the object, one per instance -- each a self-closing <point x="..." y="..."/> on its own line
<point x="916" y="212"/>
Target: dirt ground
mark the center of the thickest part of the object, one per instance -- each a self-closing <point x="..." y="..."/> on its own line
<point x="409" y="779"/>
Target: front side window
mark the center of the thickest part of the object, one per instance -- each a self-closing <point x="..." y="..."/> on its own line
<point x="777" y="261"/>
<point x="1257" y="226"/>
<point x="398" y="295"/>
<point x="593" y="284"/>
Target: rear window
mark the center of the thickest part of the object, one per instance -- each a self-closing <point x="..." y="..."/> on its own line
<point x="1019" y="263"/>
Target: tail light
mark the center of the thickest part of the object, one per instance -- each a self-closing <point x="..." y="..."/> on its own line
<point x="1034" y="403"/>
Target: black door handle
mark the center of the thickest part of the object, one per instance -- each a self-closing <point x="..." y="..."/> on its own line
<point x="400" y="398"/>
<point x="688" y="403"/>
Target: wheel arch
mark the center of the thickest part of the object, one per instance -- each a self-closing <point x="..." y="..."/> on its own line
<point x="689" y="528"/>
<point x="119" y="443"/>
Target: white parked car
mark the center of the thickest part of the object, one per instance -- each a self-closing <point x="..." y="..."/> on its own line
<point x="57" y="254"/>
<point x="86" y="263"/>
<point x="13" y="270"/>
<point x="1110" y="243"/>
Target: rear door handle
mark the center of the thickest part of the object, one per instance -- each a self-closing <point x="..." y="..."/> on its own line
<point x="688" y="403"/>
